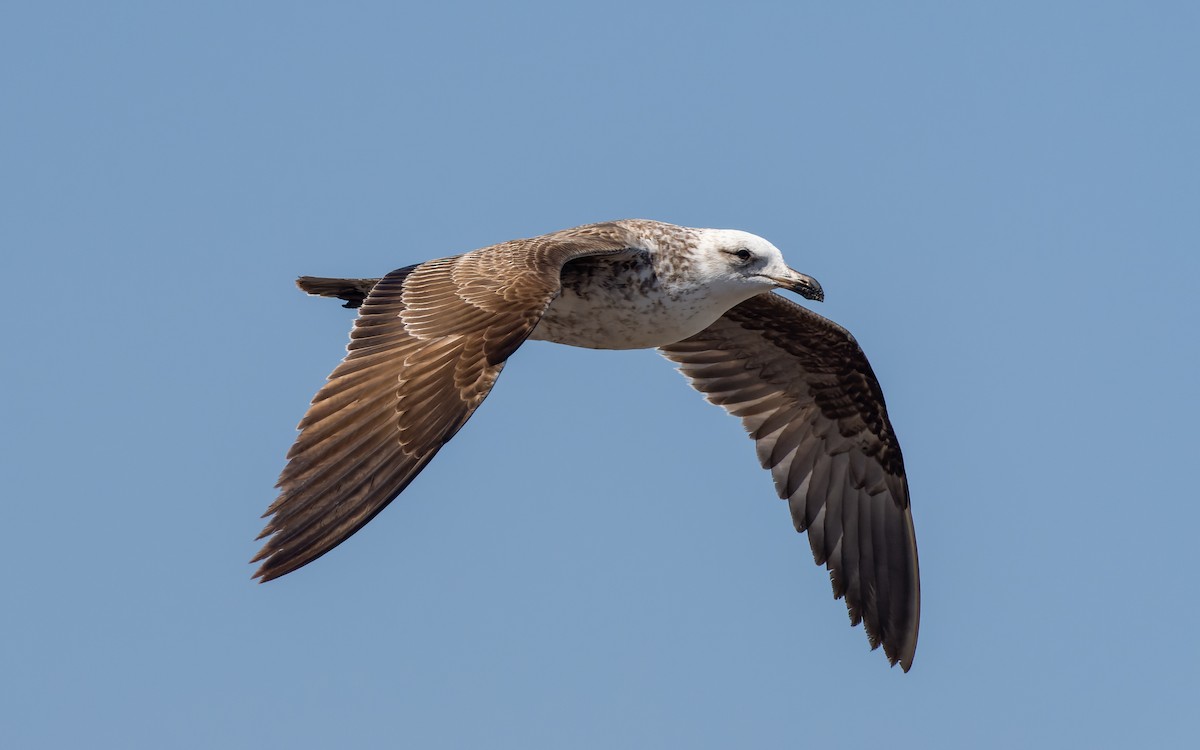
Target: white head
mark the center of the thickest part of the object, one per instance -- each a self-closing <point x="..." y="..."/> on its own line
<point x="744" y="264"/>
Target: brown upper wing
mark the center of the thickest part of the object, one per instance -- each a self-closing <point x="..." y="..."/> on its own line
<point x="429" y="342"/>
<point x="806" y="394"/>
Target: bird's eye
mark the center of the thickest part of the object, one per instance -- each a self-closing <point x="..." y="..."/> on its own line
<point x="744" y="255"/>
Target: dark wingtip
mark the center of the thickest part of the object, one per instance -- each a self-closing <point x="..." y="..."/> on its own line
<point x="264" y="573"/>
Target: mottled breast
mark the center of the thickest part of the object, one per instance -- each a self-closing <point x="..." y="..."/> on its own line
<point x="623" y="303"/>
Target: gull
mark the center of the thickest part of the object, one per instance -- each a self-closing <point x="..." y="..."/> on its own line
<point x="431" y="339"/>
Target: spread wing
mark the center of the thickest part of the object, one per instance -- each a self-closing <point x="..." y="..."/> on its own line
<point x="429" y="342"/>
<point x="806" y="394"/>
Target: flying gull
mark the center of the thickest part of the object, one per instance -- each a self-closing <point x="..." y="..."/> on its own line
<point x="431" y="339"/>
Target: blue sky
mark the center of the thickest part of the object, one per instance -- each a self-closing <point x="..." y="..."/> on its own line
<point x="1001" y="203"/>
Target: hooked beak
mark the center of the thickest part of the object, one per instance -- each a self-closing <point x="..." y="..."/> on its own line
<point x="802" y="284"/>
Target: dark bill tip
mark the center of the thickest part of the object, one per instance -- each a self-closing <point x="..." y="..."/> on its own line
<point x="804" y="285"/>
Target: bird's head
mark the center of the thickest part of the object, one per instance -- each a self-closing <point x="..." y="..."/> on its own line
<point x="742" y="261"/>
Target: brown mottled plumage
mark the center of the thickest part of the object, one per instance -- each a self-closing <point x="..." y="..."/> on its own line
<point x="806" y="394"/>
<point x="431" y="339"/>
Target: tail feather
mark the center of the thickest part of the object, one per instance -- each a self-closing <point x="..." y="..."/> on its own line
<point x="353" y="291"/>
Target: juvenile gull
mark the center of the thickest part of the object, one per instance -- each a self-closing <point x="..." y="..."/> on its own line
<point x="431" y="339"/>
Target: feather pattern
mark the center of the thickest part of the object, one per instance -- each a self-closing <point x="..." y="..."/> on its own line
<point x="428" y="345"/>
<point x="824" y="433"/>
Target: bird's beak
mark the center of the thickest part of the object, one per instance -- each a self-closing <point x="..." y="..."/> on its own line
<point x="804" y="285"/>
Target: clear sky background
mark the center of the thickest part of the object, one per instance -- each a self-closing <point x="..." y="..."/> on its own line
<point x="1001" y="200"/>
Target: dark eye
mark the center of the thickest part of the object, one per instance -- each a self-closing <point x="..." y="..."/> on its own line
<point x="744" y="255"/>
